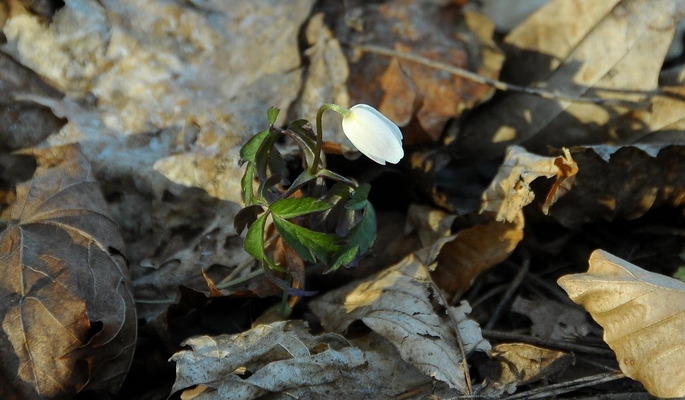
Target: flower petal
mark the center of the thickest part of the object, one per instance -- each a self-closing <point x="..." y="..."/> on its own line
<point x="373" y="134"/>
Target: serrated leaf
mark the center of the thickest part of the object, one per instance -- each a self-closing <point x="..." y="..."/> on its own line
<point x="306" y="144"/>
<point x="294" y="207"/>
<point x="272" y="114"/>
<point x="359" y="241"/>
<point x="254" y="241"/>
<point x="358" y="199"/>
<point x="249" y="149"/>
<point x="307" y="243"/>
<point x="247" y="185"/>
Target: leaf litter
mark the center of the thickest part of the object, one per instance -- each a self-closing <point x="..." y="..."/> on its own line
<point x="160" y="96"/>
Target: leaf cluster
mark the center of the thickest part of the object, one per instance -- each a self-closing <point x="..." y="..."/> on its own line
<point x="324" y="217"/>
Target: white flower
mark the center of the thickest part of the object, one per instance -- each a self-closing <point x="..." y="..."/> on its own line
<point x="373" y="134"/>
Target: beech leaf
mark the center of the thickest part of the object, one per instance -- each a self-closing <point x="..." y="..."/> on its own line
<point x="643" y="316"/>
<point x="403" y="305"/>
<point x="68" y="316"/>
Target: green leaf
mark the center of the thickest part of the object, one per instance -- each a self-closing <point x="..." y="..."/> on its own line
<point x="249" y="150"/>
<point x="294" y="207"/>
<point x="254" y="241"/>
<point x="272" y="114"/>
<point x="358" y="199"/>
<point x="326" y="173"/>
<point x="247" y="185"/>
<point x="307" y="243"/>
<point x="359" y="240"/>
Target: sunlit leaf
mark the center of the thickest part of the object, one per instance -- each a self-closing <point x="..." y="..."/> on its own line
<point x="294" y="207"/>
<point x="307" y="243"/>
<point x="272" y="114"/>
<point x="254" y="241"/>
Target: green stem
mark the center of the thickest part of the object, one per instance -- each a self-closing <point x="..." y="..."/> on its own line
<point x="242" y="279"/>
<point x="319" y="131"/>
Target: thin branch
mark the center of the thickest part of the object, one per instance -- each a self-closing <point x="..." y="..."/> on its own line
<point x="472" y="76"/>
<point x="511" y="290"/>
<point x="565" y="387"/>
<point x="513" y="337"/>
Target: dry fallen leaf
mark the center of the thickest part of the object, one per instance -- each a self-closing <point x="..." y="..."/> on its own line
<point x="474" y="250"/>
<point x="403" y="305"/>
<point x="642" y="316"/>
<point x="522" y="363"/>
<point x="405" y="91"/>
<point x="68" y="316"/>
<point x="510" y="190"/>
<point x="462" y="256"/>
<point x="553" y="321"/>
<point x="622" y="182"/>
<point x="611" y="49"/>
<point x="283" y="358"/>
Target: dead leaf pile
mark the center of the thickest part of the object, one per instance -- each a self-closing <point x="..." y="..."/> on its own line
<point x="126" y="120"/>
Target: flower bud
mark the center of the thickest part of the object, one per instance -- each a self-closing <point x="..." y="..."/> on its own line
<point x="373" y="134"/>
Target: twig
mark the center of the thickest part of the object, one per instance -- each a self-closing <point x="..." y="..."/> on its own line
<point x="466" y="74"/>
<point x="513" y="287"/>
<point x="565" y="387"/>
<point x="508" y="336"/>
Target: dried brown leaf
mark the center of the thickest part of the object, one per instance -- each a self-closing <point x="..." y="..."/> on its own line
<point x="510" y="190"/>
<point x="622" y="182"/>
<point x="523" y="363"/>
<point x="404" y="90"/>
<point x="68" y="315"/>
<point x="403" y="305"/>
<point x="475" y="250"/>
<point x="642" y="314"/>
<point x="609" y="49"/>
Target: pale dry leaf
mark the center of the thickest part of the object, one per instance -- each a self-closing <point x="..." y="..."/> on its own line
<point x="68" y="315"/>
<point x="510" y="190"/>
<point x="403" y="305"/>
<point x="522" y="363"/>
<point x="431" y="224"/>
<point x="608" y="49"/>
<point x="643" y="316"/>
<point x="283" y="358"/>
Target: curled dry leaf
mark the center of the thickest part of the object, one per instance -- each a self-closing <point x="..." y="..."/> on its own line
<point x="475" y="250"/>
<point x="510" y="190"/>
<point x="522" y="363"/>
<point x="611" y="49"/>
<point x="642" y="314"/>
<point x="283" y="357"/>
<point x="68" y="316"/>
<point x="461" y="257"/>
<point x="403" y="305"/>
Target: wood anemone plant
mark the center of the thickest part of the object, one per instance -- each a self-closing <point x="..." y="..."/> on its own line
<point x="308" y="221"/>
